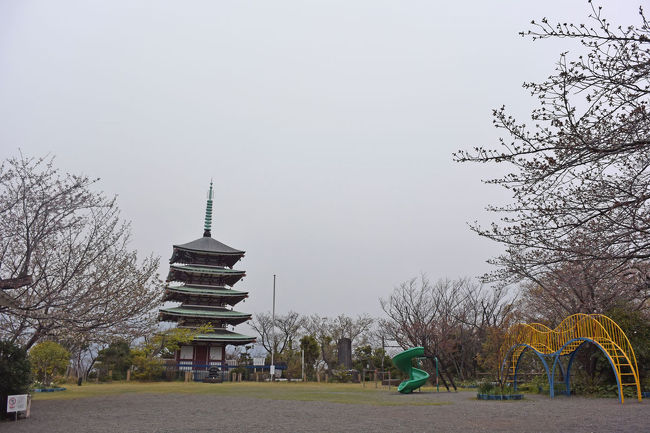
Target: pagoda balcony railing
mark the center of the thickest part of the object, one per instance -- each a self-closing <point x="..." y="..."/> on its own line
<point x="188" y="366"/>
<point x="201" y="371"/>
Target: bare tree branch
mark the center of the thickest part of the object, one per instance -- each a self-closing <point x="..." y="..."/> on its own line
<point x="86" y="282"/>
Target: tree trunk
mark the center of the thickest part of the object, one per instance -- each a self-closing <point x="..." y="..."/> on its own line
<point x="33" y="340"/>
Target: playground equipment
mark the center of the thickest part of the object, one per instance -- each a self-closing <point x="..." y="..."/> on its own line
<point x="417" y="377"/>
<point x="574" y="331"/>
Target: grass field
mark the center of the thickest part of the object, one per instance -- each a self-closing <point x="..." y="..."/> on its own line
<point x="296" y="391"/>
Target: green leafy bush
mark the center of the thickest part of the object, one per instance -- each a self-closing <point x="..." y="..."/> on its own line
<point x="595" y="390"/>
<point x="492" y="388"/>
<point x="485" y="388"/>
<point x="15" y="373"/>
<point x="310" y="347"/>
<point x="466" y="383"/>
<point x="48" y="358"/>
<point x="637" y="329"/>
<point x="539" y="385"/>
<point x="145" y="367"/>
<point x="341" y="376"/>
<point x="116" y="358"/>
<point x="239" y="370"/>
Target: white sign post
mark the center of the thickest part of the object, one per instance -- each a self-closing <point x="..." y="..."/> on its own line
<point x="272" y="368"/>
<point x="17" y="403"/>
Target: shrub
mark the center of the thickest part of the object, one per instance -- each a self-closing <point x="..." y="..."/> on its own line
<point x="341" y="376"/>
<point x="492" y="388"/>
<point x="240" y="370"/>
<point x="309" y="344"/>
<point x="15" y="373"/>
<point x="645" y="384"/>
<point x="539" y="385"/>
<point x="48" y="358"/>
<point x="466" y="383"/>
<point x="116" y="358"/>
<point x="144" y="367"/>
<point x="637" y="329"/>
<point x="485" y="388"/>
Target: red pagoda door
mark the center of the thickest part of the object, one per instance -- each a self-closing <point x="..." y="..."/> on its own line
<point x="200" y="357"/>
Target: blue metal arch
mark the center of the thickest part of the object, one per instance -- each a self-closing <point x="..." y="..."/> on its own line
<point x="568" y="370"/>
<point x="539" y="355"/>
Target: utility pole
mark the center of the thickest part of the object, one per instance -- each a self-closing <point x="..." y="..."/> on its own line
<point x="273" y="333"/>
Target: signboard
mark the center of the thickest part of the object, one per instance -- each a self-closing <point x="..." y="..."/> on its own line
<point x="258" y="361"/>
<point x="272" y="370"/>
<point x="17" y="403"/>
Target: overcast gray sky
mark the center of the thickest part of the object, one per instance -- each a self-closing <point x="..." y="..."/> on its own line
<point x="328" y="127"/>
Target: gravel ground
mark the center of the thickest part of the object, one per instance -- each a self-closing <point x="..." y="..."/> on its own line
<point x="461" y="412"/>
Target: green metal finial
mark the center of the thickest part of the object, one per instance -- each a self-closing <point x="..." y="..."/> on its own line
<point x="208" y="214"/>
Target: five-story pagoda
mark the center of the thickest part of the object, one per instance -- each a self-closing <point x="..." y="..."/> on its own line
<point x="204" y="270"/>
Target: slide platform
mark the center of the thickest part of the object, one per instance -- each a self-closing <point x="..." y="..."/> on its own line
<point x="417" y="377"/>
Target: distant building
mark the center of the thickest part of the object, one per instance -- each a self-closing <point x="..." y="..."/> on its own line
<point x="204" y="269"/>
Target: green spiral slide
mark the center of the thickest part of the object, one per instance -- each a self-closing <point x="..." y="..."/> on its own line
<point x="417" y="377"/>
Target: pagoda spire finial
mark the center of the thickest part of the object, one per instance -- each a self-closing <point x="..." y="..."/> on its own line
<point x="208" y="214"/>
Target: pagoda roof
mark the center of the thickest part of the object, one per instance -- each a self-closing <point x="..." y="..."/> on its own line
<point x="217" y="291"/>
<point x="208" y="245"/>
<point x="204" y="275"/>
<point x="213" y="270"/>
<point x="204" y="312"/>
<point x="225" y="336"/>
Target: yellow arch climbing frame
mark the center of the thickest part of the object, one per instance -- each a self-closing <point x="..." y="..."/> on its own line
<point x="565" y="340"/>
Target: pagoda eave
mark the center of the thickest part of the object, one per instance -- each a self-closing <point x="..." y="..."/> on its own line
<point x="193" y="322"/>
<point x="205" y="290"/>
<point x="171" y="296"/>
<point x="185" y="314"/>
<point x="203" y="294"/>
<point x="181" y="255"/>
<point x="204" y="275"/>
<point x="225" y="337"/>
<point x="208" y="245"/>
<point x="211" y="253"/>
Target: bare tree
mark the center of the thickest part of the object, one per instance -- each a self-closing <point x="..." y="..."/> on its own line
<point x="412" y="318"/>
<point x="580" y="178"/>
<point x="449" y="319"/>
<point x="262" y="323"/>
<point x="328" y="331"/>
<point x="319" y="328"/>
<point x="343" y="326"/>
<point x="288" y="327"/>
<point x="72" y="241"/>
<point x="584" y="287"/>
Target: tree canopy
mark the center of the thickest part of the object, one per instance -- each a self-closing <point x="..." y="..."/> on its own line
<point x="48" y="358"/>
<point x="87" y="283"/>
<point x="579" y="172"/>
<point x="450" y="319"/>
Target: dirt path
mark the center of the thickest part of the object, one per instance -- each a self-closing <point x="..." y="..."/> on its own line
<point x="207" y="413"/>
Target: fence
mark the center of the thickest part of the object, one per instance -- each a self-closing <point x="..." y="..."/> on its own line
<point x="222" y="371"/>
